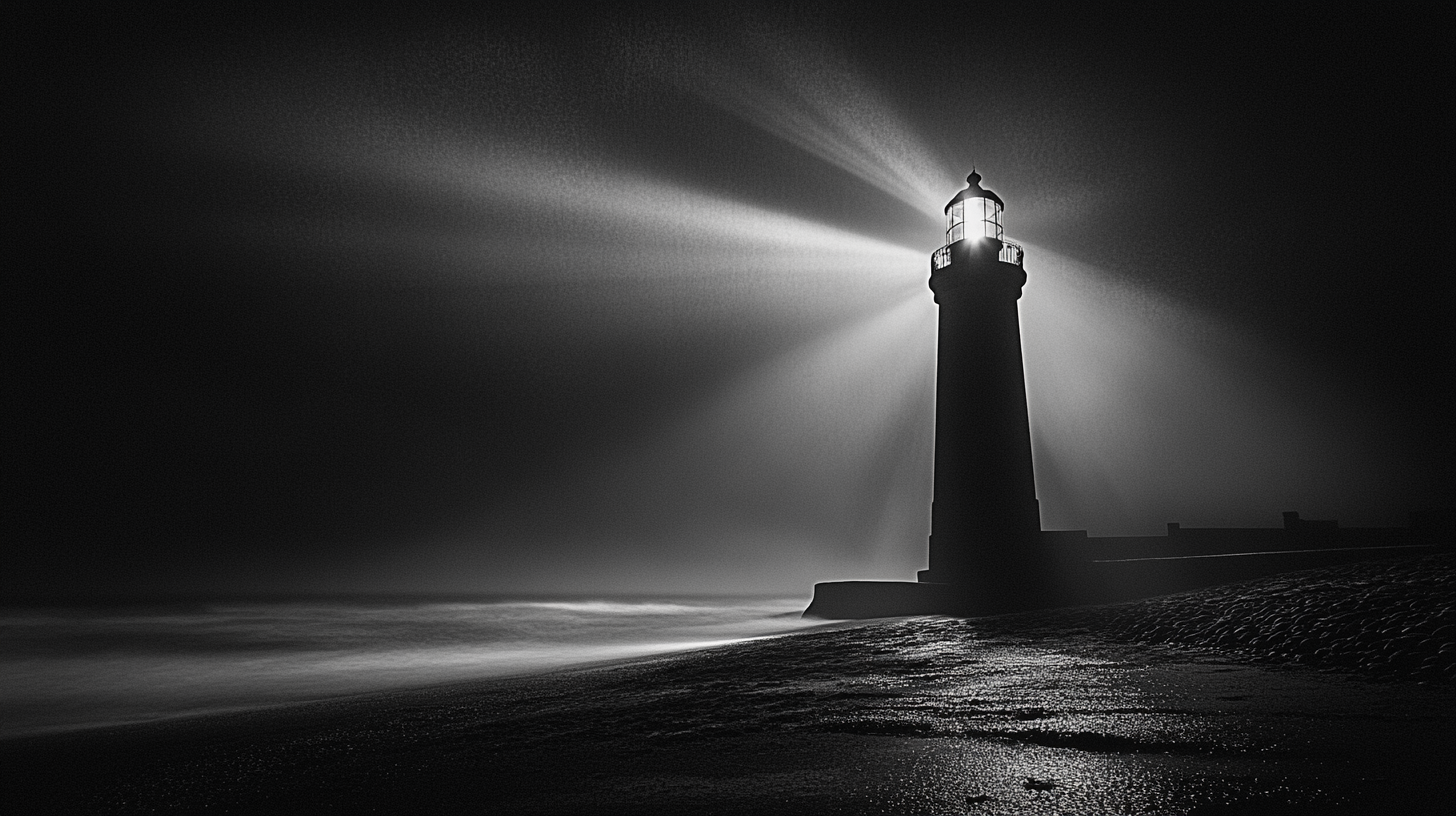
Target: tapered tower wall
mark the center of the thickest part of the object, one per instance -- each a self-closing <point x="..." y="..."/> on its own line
<point x="984" y="520"/>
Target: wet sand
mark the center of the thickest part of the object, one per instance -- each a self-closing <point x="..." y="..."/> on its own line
<point x="1329" y="691"/>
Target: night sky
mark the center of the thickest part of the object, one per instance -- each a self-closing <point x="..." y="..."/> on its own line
<point x="634" y="299"/>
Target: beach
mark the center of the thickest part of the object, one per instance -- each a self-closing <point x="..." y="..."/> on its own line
<point x="1328" y="691"/>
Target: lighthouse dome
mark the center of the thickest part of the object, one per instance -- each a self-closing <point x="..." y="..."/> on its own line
<point x="975" y="190"/>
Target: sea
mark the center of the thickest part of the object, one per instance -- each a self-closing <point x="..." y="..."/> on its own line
<point x="83" y="666"/>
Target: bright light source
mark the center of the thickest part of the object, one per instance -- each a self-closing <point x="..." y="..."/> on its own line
<point x="973" y="214"/>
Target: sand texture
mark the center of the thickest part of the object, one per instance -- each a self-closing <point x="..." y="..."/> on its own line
<point x="1385" y="619"/>
<point x="1321" y="692"/>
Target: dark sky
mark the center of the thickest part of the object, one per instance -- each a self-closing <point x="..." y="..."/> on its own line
<point x="634" y="299"/>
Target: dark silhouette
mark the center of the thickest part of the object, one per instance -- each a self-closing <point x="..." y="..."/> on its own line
<point x="984" y="518"/>
<point x="988" y="553"/>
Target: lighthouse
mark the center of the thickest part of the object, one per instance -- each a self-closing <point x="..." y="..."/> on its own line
<point x="986" y="545"/>
<point x="985" y="526"/>
<point x="987" y="551"/>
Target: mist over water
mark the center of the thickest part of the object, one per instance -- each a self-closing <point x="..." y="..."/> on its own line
<point x="74" y="667"/>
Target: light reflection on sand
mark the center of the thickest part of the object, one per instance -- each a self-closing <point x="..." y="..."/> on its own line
<point x="1038" y="713"/>
<point x="911" y="716"/>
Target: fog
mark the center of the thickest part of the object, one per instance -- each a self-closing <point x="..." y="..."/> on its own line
<point x="481" y="304"/>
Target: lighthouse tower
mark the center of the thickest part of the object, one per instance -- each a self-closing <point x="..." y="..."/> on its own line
<point x="988" y="554"/>
<point x="984" y="521"/>
<point x="986" y="545"/>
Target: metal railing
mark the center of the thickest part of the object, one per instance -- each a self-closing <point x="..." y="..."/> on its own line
<point x="941" y="258"/>
<point x="1011" y="253"/>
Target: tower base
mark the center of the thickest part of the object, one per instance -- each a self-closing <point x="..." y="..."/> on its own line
<point x="1073" y="581"/>
<point x="846" y="600"/>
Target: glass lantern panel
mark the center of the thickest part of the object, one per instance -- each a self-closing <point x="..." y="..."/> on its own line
<point x="955" y="222"/>
<point x="988" y="216"/>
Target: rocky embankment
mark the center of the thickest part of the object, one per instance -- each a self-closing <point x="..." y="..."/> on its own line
<point x="1390" y="619"/>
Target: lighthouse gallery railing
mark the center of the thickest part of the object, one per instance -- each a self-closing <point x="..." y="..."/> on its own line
<point x="1011" y="253"/>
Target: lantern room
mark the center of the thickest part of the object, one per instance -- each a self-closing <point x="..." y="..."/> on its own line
<point x="974" y="213"/>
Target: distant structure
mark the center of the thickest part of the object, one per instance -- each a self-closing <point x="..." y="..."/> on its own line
<point x="988" y="553"/>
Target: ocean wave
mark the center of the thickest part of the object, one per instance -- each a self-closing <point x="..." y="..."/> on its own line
<point x="80" y="667"/>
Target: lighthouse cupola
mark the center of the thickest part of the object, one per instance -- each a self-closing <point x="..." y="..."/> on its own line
<point x="973" y="228"/>
<point x="974" y="213"/>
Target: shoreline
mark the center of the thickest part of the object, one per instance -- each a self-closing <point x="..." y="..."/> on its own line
<point x="69" y="669"/>
<point x="901" y="715"/>
<point x="367" y="697"/>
